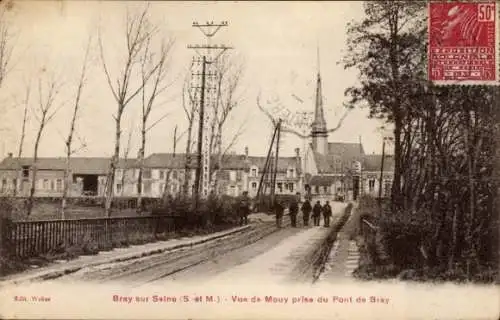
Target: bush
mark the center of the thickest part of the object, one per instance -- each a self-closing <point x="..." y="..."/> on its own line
<point x="211" y="212"/>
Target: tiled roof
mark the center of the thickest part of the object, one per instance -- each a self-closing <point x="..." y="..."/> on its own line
<point x="372" y="162"/>
<point x="78" y="165"/>
<point x="340" y="157"/>
<point x="347" y="150"/>
<point x="168" y="160"/>
<point x="229" y="161"/>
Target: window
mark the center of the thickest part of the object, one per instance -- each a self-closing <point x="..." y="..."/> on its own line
<point x="325" y="189"/>
<point x="59" y="184"/>
<point x="290" y="187"/>
<point x="254" y="185"/>
<point x="290" y="173"/>
<point x="316" y="189"/>
<point x="174" y="174"/>
<point x="119" y="173"/>
<point x="14" y="183"/>
<point x="280" y="187"/>
<point x="147" y="188"/>
<point x="52" y="185"/>
<point x="371" y="184"/>
<point x="4" y="184"/>
<point x="254" y="172"/>
<point x="119" y="188"/>
<point x="26" y="171"/>
<point x="46" y="184"/>
<point x="233" y="190"/>
<point x="162" y="174"/>
<point x="238" y="175"/>
<point x="146" y="174"/>
<point x="232" y="175"/>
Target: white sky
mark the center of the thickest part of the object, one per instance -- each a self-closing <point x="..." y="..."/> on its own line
<point x="277" y="41"/>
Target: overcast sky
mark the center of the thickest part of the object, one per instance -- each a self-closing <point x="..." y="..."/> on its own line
<point x="277" y="42"/>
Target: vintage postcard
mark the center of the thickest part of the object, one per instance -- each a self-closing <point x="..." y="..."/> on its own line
<point x="249" y="160"/>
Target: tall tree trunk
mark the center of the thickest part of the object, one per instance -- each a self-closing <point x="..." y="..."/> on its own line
<point x="67" y="183"/>
<point x="141" y="166"/>
<point x="113" y="165"/>
<point x="34" y="167"/>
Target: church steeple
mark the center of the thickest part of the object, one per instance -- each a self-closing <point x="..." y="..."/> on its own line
<point x="319" y="130"/>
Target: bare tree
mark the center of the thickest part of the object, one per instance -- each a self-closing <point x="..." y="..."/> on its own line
<point x="69" y="141"/>
<point x="44" y="114"/>
<point x="229" y="74"/>
<point x="190" y="109"/>
<point x="25" y="119"/>
<point x="126" y="153"/>
<point x="158" y="86"/>
<point x="137" y="36"/>
<point x="23" y="127"/>
<point x="289" y="129"/>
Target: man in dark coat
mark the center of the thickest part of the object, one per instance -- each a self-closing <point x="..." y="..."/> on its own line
<point x="244" y="208"/>
<point x="317" y="213"/>
<point x="327" y="213"/>
<point x="279" y="211"/>
<point x="306" y="211"/>
<point x="294" y="209"/>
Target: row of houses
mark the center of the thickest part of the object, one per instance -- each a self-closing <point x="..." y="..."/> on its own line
<point x="343" y="172"/>
<point x="162" y="172"/>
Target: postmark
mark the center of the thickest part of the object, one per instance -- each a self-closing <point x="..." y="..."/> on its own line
<point x="463" y="43"/>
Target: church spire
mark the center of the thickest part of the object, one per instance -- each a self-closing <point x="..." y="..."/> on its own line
<point x="319" y="130"/>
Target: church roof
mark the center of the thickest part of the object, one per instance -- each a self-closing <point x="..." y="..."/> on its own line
<point x="340" y="156"/>
<point x="373" y="162"/>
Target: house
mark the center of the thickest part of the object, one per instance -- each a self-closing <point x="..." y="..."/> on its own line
<point x="238" y="173"/>
<point x="371" y="175"/>
<point x="88" y="176"/>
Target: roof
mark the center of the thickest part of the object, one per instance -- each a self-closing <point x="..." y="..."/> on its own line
<point x="78" y="165"/>
<point x="373" y="162"/>
<point x="322" y="180"/>
<point x="340" y="156"/>
<point x="229" y="161"/>
<point x="347" y="150"/>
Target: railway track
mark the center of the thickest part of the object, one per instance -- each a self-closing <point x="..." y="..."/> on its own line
<point x="153" y="268"/>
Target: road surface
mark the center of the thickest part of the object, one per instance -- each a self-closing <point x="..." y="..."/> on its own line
<point x="263" y="252"/>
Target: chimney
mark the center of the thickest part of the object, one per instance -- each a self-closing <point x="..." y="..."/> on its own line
<point x="297" y="153"/>
<point x="246" y="152"/>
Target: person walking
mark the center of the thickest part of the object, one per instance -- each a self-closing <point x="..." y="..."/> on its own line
<point x="244" y="208"/>
<point x="293" y="209"/>
<point x="317" y="213"/>
<point x="306" y="211"/>
<point x="327" y="213"/>
<point x="278" y="210"/>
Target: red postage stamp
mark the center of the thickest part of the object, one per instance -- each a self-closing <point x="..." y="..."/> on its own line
<point x="463" y="43"/>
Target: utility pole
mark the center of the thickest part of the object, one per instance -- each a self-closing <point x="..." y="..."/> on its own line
<point x="202" y="177"/>
<point x="273" y="186"/>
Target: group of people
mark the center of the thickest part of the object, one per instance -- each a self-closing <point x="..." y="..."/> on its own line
<point x="279" y="209"/>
